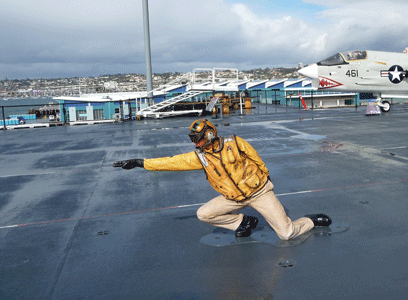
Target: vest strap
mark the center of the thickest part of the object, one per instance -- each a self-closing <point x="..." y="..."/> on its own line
<point x="202" y="158"/>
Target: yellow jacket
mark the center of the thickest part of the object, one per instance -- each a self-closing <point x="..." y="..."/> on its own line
<point x="233" y="167"/>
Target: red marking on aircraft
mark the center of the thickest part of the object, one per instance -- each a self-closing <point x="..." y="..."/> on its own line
<point x="326" y="83"/>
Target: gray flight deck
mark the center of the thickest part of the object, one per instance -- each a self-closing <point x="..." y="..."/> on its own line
<point x="73" y="227"/>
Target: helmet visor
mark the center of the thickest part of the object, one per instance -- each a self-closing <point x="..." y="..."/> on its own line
<point x="196" y="137"/>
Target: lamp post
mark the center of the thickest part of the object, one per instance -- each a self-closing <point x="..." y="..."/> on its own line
<point x="149" y="84"/>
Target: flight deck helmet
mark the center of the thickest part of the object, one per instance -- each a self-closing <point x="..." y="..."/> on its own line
<point x="202" y="133"/>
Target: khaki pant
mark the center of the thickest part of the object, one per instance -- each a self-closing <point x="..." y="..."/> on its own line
<point x="221" y="212"/>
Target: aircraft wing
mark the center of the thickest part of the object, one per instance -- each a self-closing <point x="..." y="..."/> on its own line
<point x="368" y="82"/>
<point x="400" y="96"/>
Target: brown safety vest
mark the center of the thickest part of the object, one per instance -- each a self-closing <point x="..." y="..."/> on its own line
<point x="231" y="172"/>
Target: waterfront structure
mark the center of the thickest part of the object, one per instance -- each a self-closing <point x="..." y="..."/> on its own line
<point x="122" y="106"/>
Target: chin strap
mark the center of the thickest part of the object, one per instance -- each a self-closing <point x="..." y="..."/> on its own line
<point x="220" y="146"/>
<point x="221" y="141"/>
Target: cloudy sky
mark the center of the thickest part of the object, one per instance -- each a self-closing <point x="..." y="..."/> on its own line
<point x="67" y="38"/>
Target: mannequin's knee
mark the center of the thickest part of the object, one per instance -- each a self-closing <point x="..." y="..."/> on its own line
<point x="285" y="237"/>
<point x="285" y="233"/>
<point x="202" y="215"/>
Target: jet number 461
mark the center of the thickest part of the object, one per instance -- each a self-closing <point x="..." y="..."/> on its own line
<point x="352" y="73"/>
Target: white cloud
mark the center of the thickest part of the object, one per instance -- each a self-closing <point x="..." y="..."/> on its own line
<point x="285" y="37"/>
<point x="368" y="24"/>
<point x="107" y="35"/>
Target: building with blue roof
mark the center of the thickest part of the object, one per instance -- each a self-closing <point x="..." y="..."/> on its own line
<point x="114" y="106"/>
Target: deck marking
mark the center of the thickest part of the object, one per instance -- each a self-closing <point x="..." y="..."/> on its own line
<point x="33" y="174"/>
<point x="189" y="205"/>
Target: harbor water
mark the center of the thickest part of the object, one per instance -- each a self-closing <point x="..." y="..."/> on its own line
<point x="17" y="106"/>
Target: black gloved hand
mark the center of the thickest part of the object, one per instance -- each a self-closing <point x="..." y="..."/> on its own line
<point x="129" y="164"/>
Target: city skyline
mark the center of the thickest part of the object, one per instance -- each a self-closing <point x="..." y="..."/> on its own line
<point x="117" y="82"/>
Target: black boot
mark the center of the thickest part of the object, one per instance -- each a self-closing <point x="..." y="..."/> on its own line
<point x="247" y="225"/>
<point x="320" y="219"/>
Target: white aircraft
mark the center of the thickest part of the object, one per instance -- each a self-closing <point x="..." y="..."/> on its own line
<point x="382" y="73"/>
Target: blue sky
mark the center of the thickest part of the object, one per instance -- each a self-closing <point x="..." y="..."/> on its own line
<point x="278" y="8"/>
<point x="49" y="39"/>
